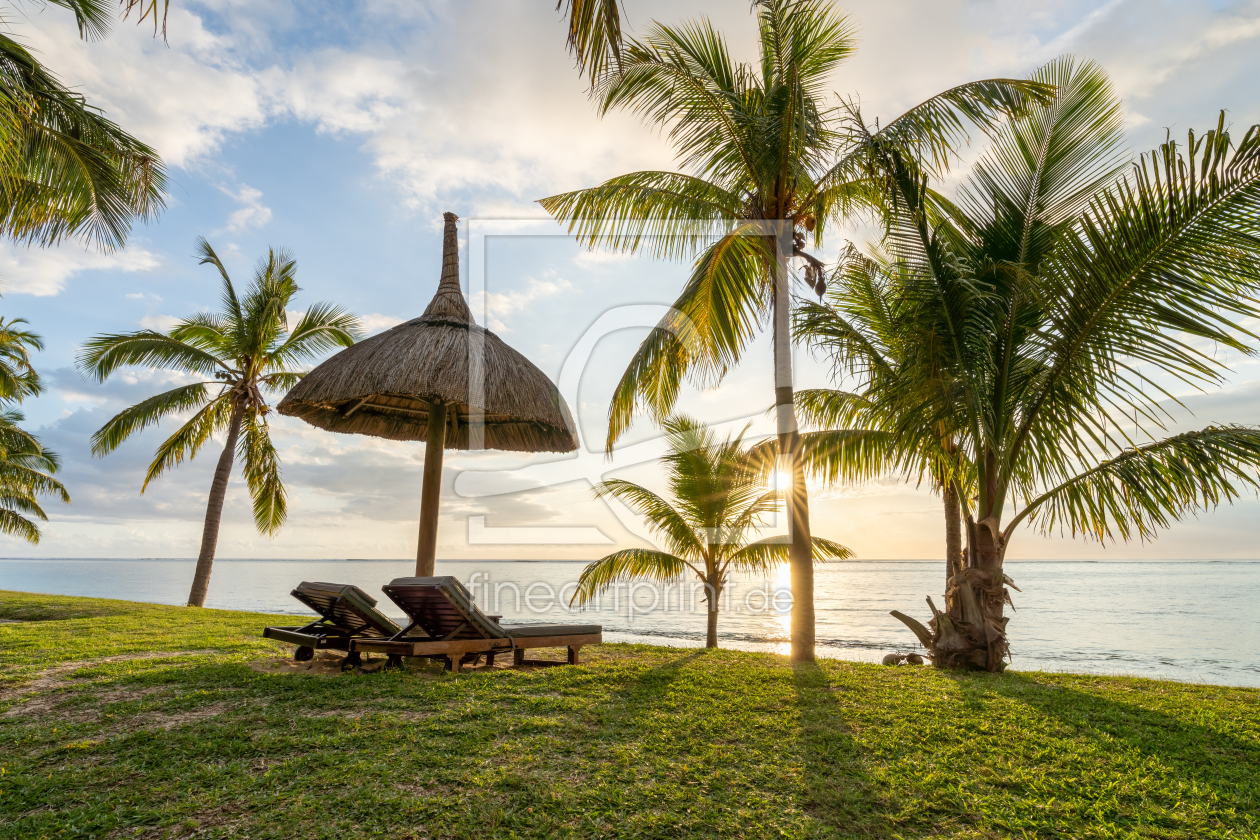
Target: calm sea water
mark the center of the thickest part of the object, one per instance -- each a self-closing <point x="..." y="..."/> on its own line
<point x="1194" y="621"/>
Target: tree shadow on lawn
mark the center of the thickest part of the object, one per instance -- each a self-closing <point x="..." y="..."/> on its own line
<point x="1175" y="762"/>
<point x="839" y="791"/>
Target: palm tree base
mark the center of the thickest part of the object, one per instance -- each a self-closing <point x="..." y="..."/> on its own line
<point x="972" y="636"/>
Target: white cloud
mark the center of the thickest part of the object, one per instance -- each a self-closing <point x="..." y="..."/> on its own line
<point x="254" y="214"/>
<point x="376" y="322"/>
<point x="500" y="305"/>
<point x="160" y="323"/>
<point x="44" y="271"/>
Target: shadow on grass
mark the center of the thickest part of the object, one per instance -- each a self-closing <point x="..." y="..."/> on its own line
<point x="839" y="793"/>
<point x="1203" y="754"/>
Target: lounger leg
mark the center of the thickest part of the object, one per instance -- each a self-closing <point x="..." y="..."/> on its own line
<point x="452" y="663"/>
<point x="395" y="661"/>
<point x="353" y="660"/>
<point x="490" y="659"/>
<point x="518" y="657"/>
<point x="573" y="654"/>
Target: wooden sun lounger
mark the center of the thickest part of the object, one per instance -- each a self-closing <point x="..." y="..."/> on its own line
<point x="446" y="624"/>
<point x="345" y="613"/>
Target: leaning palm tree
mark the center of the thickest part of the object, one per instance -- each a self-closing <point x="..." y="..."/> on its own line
<point x="66" y="170"/>
<point x="718" y="498"/>
<point x="26" y="473"/>
<point x="1057" y="300"/>
<point x="768" y="167"/>
<point x="247" y="349"/>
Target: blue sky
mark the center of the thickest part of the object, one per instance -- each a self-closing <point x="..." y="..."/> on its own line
<point x="343" y="130"/>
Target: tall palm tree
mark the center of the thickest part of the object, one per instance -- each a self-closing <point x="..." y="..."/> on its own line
<point x="717" y="497"/>
<point x="1056" y="301"/>
<point x="66" y="170"/>
<point x="247" y="349"/>
<point x="768" y="168"/>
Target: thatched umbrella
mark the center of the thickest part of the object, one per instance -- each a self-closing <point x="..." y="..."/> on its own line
<point x="441" y="379"/>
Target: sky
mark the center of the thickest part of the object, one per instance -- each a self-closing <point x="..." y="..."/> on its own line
<point x="343" y="130"/>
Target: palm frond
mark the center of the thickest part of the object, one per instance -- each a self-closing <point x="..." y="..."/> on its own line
<point x="323" y="327"/>
<point x="16" y="525"/>
<point x="662" y="517"/>
<point x="764" y="556"/>
<point x="189" y="438"/>
<point x="101" y="355"/>
<point x="595" y="39"/>
<point x="147" y="413"/>
<point x="664" y="215"/>
<point x="1146" y="488"/>
<point x="260" y="464"/>
<point x="629" y="564"/>
<point x="66" y="170"/>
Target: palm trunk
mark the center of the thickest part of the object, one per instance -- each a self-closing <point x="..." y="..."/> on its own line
<point x="953" y="544"/>
<point x="713" y="590"/>
<point x="214" y="512"/>
<point x="800" y="548"/>
<point x="971" y="633"/>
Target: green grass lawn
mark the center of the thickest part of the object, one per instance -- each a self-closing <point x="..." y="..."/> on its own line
<point x="127" y="720"/>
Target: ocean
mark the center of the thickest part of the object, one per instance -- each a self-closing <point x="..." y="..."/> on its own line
<point x="1196" y="621"/>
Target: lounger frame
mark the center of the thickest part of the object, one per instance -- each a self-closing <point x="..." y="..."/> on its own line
<point x="466" y="633"/>
<point x="328" y="632"/>
<point x="459" y="651"/>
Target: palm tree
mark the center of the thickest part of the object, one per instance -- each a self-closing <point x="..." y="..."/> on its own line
<point x="1055" y="303"/>
<point x="879" y="338"/>
<point x="18" y="379"/>
<point x="66" y="170"/>
<point x="26" y="468"/>
<point x="769" y="168"/>
<point x="718" y="495"/>
<point x="26" y="472"/>
<point x="246" y="349"/>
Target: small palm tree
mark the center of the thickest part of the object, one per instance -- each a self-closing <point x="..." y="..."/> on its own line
<point x="248" y="349"/>
<point x="719" y="496"/>
<point x="26" y="470"/>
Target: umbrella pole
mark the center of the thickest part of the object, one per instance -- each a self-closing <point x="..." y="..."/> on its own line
<point x="434" y="444"/>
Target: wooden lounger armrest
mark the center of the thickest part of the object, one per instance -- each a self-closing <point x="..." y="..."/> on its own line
<point x="297" y="636"/>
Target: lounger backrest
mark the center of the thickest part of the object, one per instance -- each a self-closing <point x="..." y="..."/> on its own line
<point x="442" y="607"/>
<point x="347" y="607"/>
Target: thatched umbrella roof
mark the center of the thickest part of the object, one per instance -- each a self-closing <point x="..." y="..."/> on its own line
<point x="385" y="385"/>
<point x="441" y="379"/>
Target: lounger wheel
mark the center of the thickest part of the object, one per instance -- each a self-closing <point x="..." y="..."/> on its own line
<point x="304" y="653"/>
